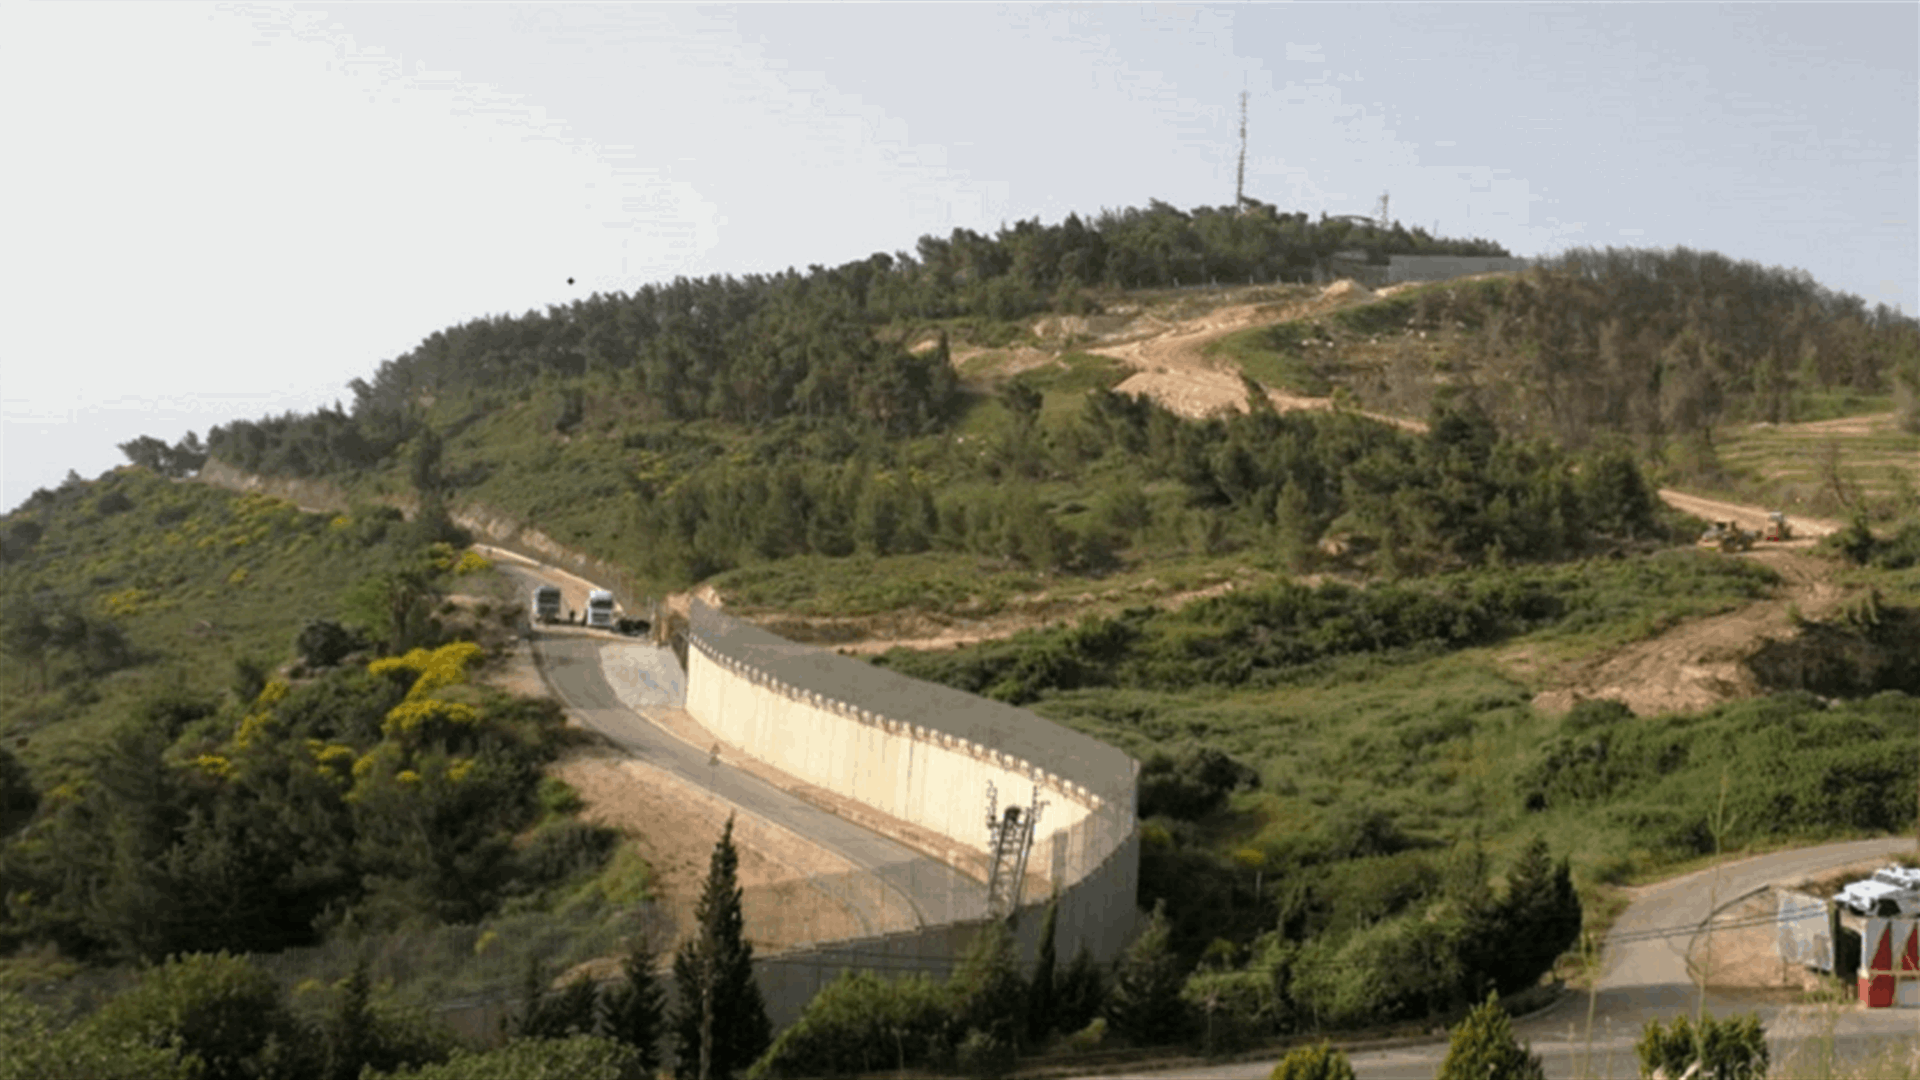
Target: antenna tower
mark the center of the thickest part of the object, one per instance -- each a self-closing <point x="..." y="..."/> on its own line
<point x="1240" y="181"/>
<point x="1385" y="222"/>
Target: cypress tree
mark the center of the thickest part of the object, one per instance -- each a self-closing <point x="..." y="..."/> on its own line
<point x="1040" y="991"/>
<point x="720" y="1023"/>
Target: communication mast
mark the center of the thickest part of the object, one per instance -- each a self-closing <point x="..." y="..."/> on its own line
<point x="1240" y="181"/>
<point x="1385" y="222"/>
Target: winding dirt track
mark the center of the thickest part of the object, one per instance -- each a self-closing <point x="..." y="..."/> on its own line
<point x="1702" y="662"/>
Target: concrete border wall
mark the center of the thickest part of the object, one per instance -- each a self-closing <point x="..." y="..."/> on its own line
<point x="916" y="751"/>
<point x="1402" y="268"/>
<point x="924" y="754"/>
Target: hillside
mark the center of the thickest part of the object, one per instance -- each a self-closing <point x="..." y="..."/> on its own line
<point x="1381" y="585"/>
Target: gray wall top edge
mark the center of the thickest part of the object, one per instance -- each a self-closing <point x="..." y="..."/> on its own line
<point x="1102" y="769"/>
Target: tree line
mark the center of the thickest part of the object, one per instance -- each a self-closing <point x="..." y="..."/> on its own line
<point x="758" y="348"/>
<point x="1460" y="494"/>
<point x="1654" y="343"/>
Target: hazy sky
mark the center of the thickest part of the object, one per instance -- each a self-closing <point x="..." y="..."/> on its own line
<point x="222" y="211"/>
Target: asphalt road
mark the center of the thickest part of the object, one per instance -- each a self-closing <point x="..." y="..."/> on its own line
<point x="898" y="881"/>
<point x="1644" y="977"/>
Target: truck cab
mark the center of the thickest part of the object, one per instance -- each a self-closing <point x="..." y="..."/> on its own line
<point x="546" y="604"/>
<point x="600" y="609"/>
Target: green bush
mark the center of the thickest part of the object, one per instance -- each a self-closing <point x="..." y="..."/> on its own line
<point x="1483" y="1047"/>
<point x="861" y="1023"/>
<point x="225" y="1017"/>
<point x="35" y="1045"/>
<point x="581" y="1057"/>
<point x="1730" y="1048"/>
<point x="1192" y="785"/>
<point x="986" y="1055"/>
<point x="1317" y="1062"/>
<point x="1232" y="1009"/>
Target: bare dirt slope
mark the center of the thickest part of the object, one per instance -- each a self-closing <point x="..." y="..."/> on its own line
<point x="673" y="826"/>
<point x="1171" y="366"/>
<point x="1701" y="663"/>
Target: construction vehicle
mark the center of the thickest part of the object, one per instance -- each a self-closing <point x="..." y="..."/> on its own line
<point x="546" y="604"/>
<point x="600" y="609"/>
<point x="1726" y="536"/>
<point x="1777" y="528"/>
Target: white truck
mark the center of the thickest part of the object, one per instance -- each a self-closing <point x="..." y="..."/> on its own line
<point x="1891" y="892"/>
<point x="600" y="609"/>
<point x="546" y="604"/>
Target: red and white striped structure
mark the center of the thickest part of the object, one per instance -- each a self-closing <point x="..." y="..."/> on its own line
<point x="1890" y="963"/>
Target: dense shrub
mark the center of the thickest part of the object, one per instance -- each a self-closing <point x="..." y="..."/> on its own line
<point x="1192" y="785"/>
<point x="861" y="1023"/>
<point x="35" y="1044"/>
<point x="1483" y="1047"/>
<point x="1725" y="1048"/>
<point x="224" y="1017"/>
<point x="1317" y="1061"/>
<point x="580" y="1057"/>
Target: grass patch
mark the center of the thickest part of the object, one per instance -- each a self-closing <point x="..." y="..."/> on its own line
<point x="1275" y="356"/>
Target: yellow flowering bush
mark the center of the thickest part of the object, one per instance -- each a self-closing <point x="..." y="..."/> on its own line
<point x="436" y="668"/>
<point x="215" y="765"/>
<point x="252" y="727"/>
<point x="238" y="577"/>
<point x="414" y="717"/>
<point x="458" y="769"/>
<point x="472" y="562"/>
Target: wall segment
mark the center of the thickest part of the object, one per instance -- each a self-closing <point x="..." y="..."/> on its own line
<point x="925" y="754"/>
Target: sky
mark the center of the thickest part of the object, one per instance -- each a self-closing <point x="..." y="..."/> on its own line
<point x="224" y="211"/>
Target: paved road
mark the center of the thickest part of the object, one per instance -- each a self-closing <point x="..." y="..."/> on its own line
<point x="1644" y="977"/>
<point x="924" y="889"/>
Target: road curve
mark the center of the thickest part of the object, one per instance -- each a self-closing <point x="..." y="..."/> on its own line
<point x="1644" y="977"/>
<point x="928" y="890"/>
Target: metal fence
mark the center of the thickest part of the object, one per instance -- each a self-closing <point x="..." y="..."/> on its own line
<point x="1805" y="932"/>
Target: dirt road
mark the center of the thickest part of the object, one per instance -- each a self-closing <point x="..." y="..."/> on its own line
<point x="1750" y="518"/>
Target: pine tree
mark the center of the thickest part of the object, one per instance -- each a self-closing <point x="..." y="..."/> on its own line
<point x="720" y="1022"/>
<point x="1145" y="1004"/>
<point x="634" y="1013"/>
